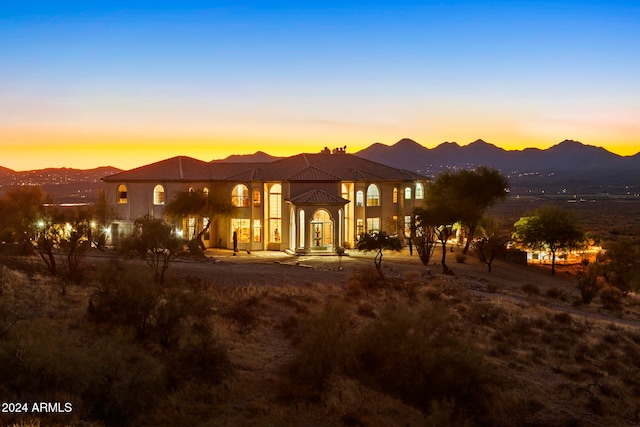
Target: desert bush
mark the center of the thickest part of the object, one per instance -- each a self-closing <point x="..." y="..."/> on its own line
<point x="530" y="289"/>
<point x="588" y="284"/>
<point x="320" y="350"/>
<point x="610" y="296"/>
<point x="106" y="379"/>
<point x="363" y="280"/>
<point x="418" y="356"/>
<point x="127" y="382"/>
<point x="177" y="308"/>
<point x="460" y="258"/>
<point x="202" y="357"/>
<point x="125" y="296"/>
<point x="244" y="313"/>
<point x="553" y="293"/>
<point x="410" y="284"/>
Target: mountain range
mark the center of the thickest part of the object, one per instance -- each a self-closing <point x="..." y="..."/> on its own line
<point x="568" y="167"/>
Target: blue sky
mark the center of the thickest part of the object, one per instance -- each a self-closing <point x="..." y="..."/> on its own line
<point x="83" y="82"/>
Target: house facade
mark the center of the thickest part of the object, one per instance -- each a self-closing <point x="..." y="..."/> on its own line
<point x="304" y="203"/>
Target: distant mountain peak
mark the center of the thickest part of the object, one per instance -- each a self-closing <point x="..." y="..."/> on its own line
<point x="405" y="142"/>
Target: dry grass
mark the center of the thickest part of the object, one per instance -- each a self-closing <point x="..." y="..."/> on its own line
<point x="297" y="352"/>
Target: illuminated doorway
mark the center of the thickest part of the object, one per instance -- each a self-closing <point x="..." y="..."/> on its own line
<point x="321" y="231"/>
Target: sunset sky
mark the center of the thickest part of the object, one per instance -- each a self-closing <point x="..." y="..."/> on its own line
<point x="126" y="83"/>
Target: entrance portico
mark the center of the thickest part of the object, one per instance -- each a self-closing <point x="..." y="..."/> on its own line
<point x="318" y="218"/>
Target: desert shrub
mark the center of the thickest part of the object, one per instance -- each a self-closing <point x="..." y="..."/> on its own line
<point x="319" y="352"/>
<point x="553" y="293"/>
<point x="410" y="284"/>
<point x="201" y="357"/>
<point x="366" y="310"/>
<point x="107" y="379"/>
<point x="244" y="313"/>
<point x="416" y="355"/>
<point x="128" y="383"/>
<point x="530" y="289"/>
<point x="125" y="296"/>
<point x="363" y="280"/>
<point x="610" y="296"/>
<point x="588" y="284"/>
<point x="39" y="359"/>
<point x="460" y="258"/>
<point x="178" y="308"/>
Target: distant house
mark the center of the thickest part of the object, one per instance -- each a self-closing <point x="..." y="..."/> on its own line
<point x="303" y="203"/>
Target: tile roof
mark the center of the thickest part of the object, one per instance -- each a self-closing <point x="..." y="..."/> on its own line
<point x="179" y="168"/>
<point x="301" y="167"/>
<point x="317" y="197"/>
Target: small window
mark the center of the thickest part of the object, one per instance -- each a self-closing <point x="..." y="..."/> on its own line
<point x="419" y="191"/>
<point x="373" y="225"/>
<point x="407" y="193"/>
<point x="373" y="195"/>
<point x="240" y="196"/>
<point x="257" y="230"/>
<point x="256" y="198"/>
<point x="395" y="195"/>
<point x="158" y="195"/>
<point x="122" y="195"/>
<point x="360" y="198"/>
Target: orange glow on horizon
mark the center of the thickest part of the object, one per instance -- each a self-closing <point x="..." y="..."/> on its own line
<point x="86" y="151"/>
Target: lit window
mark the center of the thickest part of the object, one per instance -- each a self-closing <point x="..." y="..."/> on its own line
<point x="359" y="198"/>
<point x="407" y="225"/>
<point x="275" y="213"/>
<point x="373" y="195"/>
<point x="407" y="193"/>
<point x="257" y="231"/>
<point x="158" y="195"/>
<point x="240" y="196"/>
<point x="419" y="191"/>
<point x="373" y="225"/>
<point x="122" y="194"/>
<point x="205" y="190"/>
<point x="395" y="195"/>
<point x="359" y="227"/>
<point x="241" y="227"/>
<point x="256" y="198"/>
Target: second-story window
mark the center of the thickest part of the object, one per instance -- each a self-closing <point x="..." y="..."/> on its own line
<point x="158" y="195"/>
<point x="240" y="196"/>
<point x="373" y="195"/>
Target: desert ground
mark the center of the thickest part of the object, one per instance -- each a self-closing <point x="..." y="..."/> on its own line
<point x="547" y="359"/>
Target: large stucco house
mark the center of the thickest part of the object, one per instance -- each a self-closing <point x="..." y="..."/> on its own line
<point x="303" y="203"/>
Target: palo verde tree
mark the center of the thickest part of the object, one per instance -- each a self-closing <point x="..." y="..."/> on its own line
<point x="491" y="244"/>
<point x="207" y="205"/>
<point x="378" y="241"/>
<point x="423" y="236"/>
<point x="21" y="209"/>
<point x="156" y="242"/>
<point x="436" y="222"/>
<point x="469" y="193"/>
<point x="621" y="264"/>
<point x="549" y="228"/>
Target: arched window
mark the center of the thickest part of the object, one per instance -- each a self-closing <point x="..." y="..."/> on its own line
<point x="419" y="191"/>
<point x="359" y="198"/>
<point x="121" y="195"/>
<point x="373" y="195"/>
<point x="205" y="190"/>
<point x="275" y="213"/>
<point x="158" y="195"/>
<point x="395" y="195"/>
<point x="240" y="196"/>
<point x="407" y="193"/>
